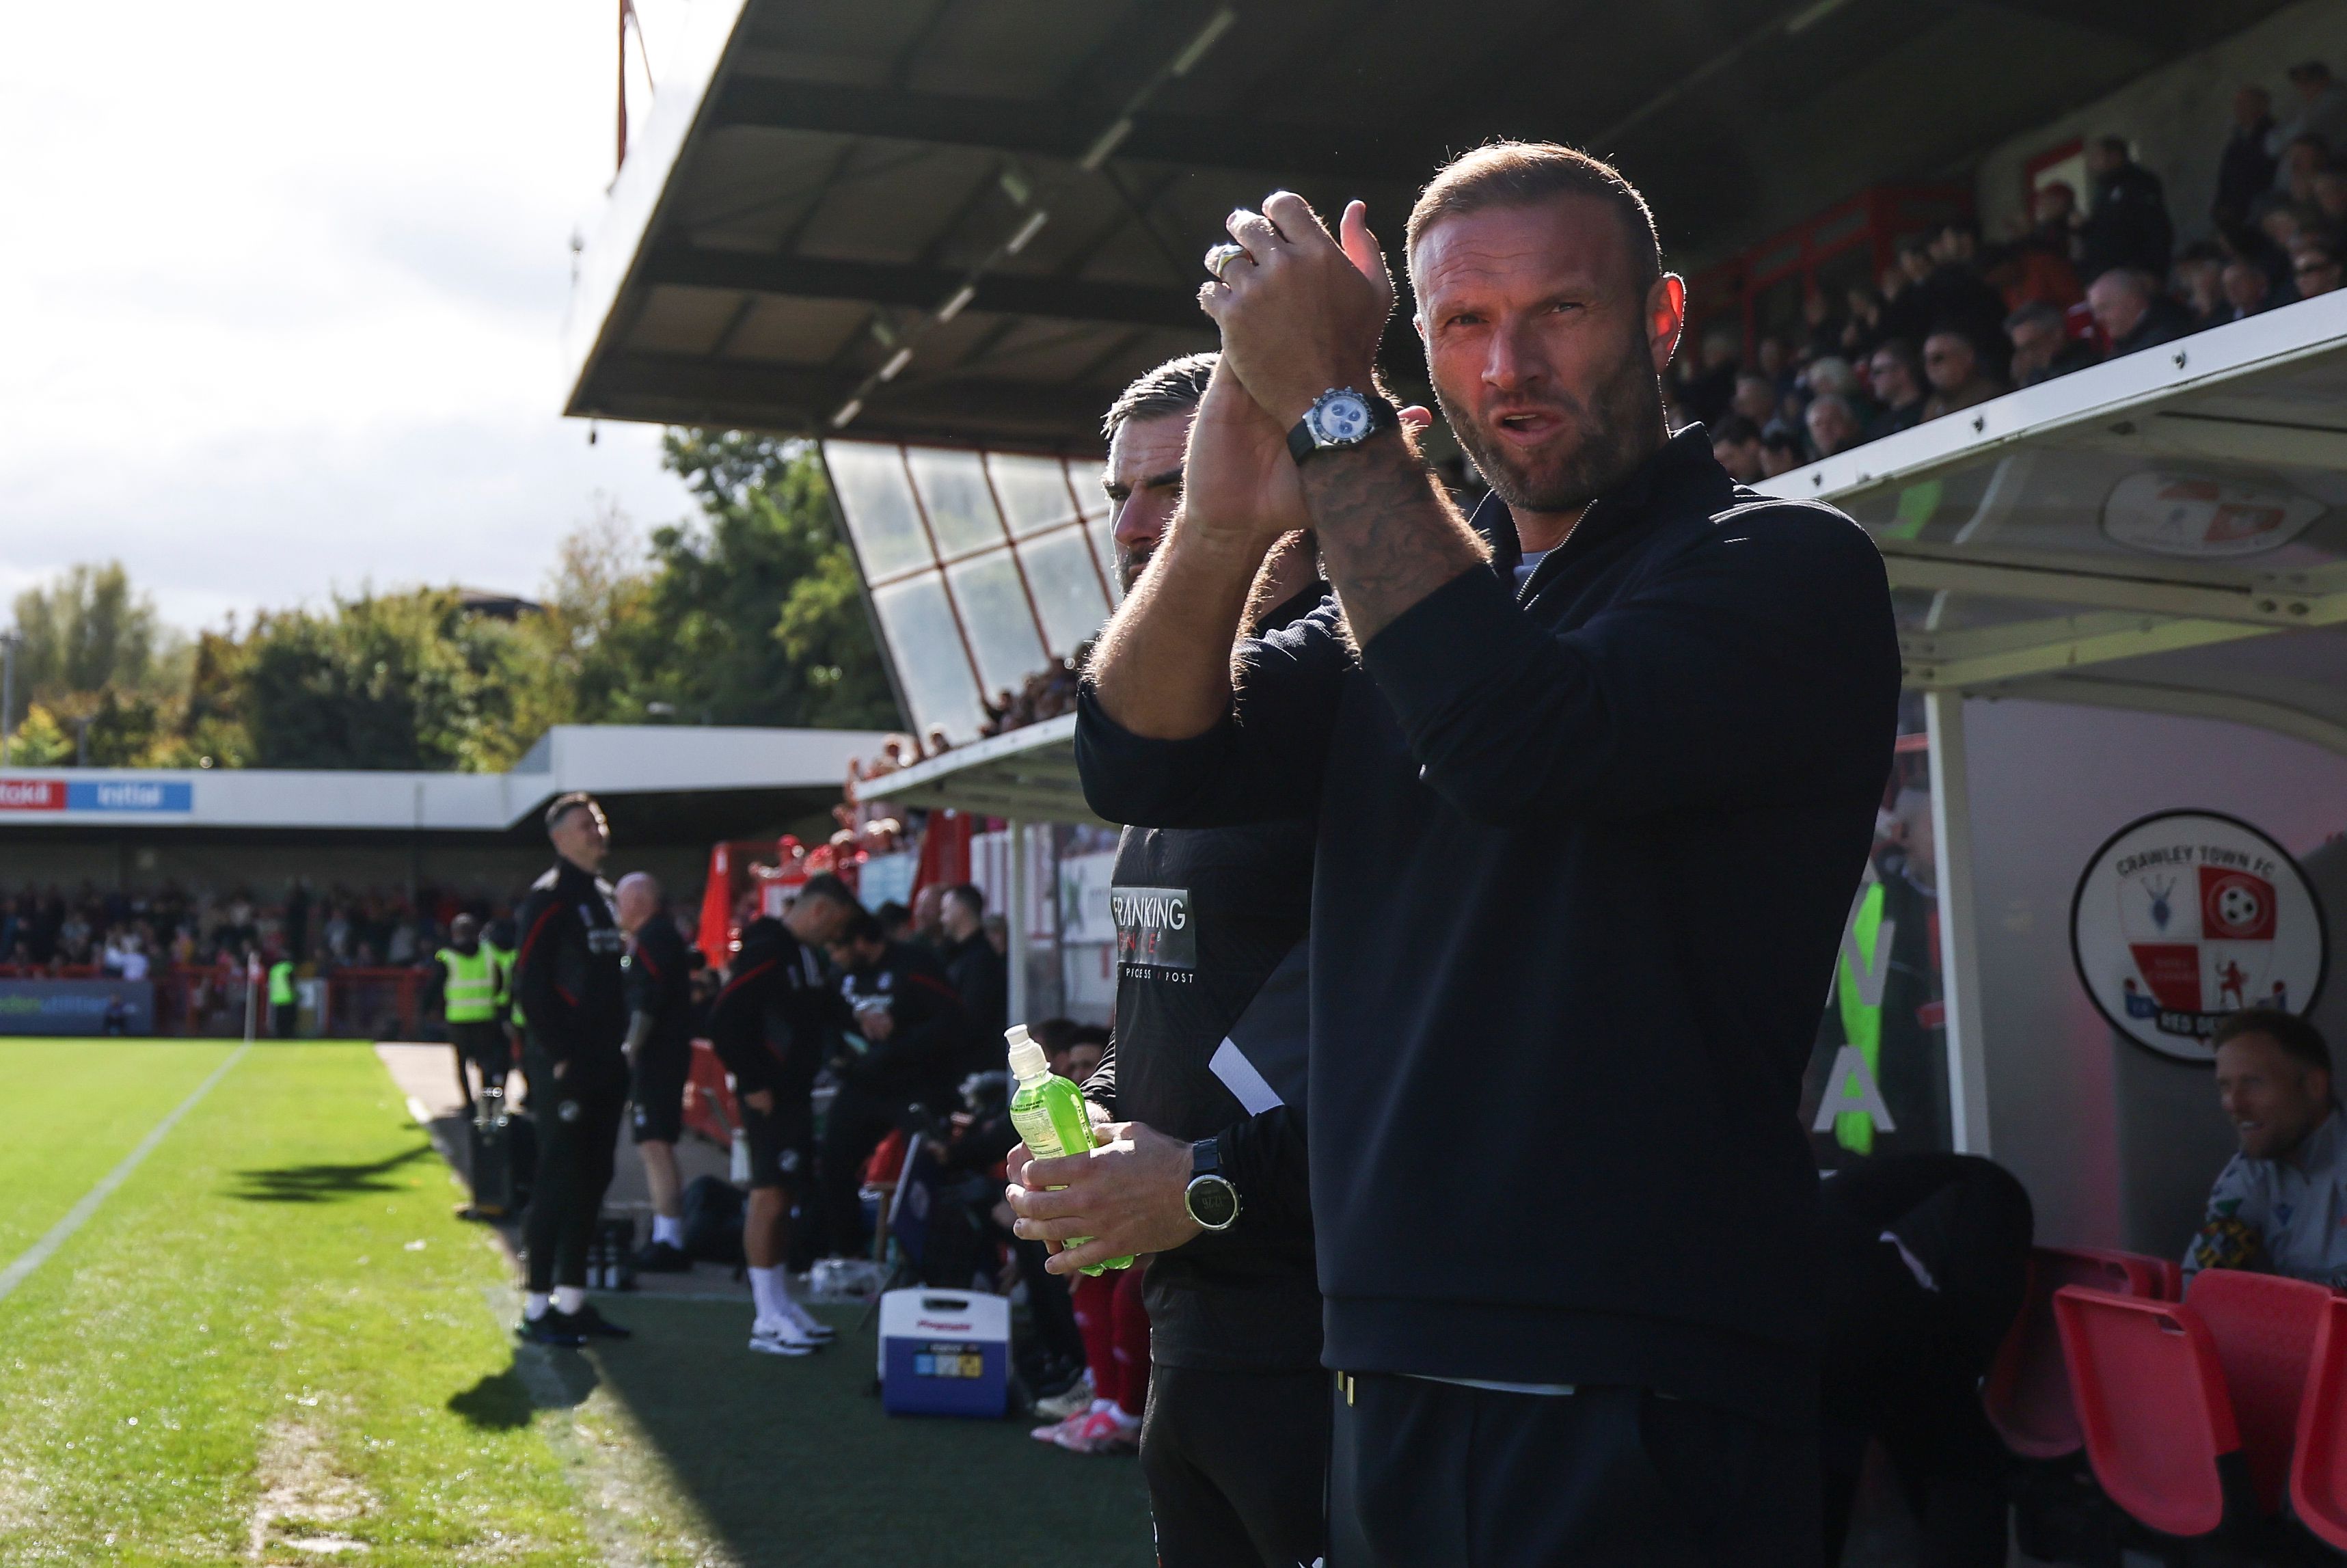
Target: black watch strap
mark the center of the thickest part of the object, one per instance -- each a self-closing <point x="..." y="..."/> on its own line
<point x="1206" y="1158"/>
<point x="1383" y="416"/>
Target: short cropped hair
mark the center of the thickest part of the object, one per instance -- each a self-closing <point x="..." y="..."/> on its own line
<point x="863" y="926"/>
<point x="824" y="884"/>
<point x="1177" y="387"/>
<point x="2299" y="1041"/>
<point x="2036" y="312"/>
<point x="1525" y="174"/>
<point x="970" y="895"/>
<point x="564" y="804"/>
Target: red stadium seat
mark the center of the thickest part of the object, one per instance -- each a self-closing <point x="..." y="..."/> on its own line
<point x="2027" y="1392"/>
<point x="2318" y="1472"/>
<point x="2150" y="1396"/>
<point x="2264" y="1325"/>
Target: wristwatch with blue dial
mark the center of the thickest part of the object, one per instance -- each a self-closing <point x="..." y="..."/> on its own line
<point x="1340" y="417"/>
<point x="1211" y="1198"/>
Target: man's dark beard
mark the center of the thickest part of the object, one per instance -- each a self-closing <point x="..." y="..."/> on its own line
<point x="1622" y="424"/>
<point x="1130" y="564"/>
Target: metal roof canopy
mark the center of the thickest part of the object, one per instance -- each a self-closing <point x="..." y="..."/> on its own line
<point x="818" y="178"/>
<point x="1026" y="776"/>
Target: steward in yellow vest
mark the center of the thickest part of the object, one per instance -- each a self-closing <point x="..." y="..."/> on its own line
<point x="472" y="984"/>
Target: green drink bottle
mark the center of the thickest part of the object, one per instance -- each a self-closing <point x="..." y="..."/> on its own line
<point x="1050" y="1115"/>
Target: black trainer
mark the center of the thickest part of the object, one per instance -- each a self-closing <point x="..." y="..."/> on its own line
<point x="662" y="1257"/>
<point x="554" y="1329"/>
<point x="589" y="1324"/>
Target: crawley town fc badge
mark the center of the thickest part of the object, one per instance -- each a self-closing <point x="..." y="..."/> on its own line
<point x="2187" y="916"/>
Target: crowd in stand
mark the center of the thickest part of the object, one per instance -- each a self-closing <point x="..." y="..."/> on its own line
<point x="2087" y="279"/>
<point x="130" y="933"/>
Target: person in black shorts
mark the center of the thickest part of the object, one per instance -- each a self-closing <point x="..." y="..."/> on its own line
<point x="773" y="1026"/>
<point x="1207" y="1070"/>
<point x="568" y="974"/>
<point x="660" y="1059"/>
<point x="895" y="999"/>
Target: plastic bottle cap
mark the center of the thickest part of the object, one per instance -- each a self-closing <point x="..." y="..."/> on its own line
<point x="1026" y="1058"/>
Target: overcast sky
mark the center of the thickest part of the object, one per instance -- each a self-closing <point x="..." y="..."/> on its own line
<point x="285" y="285"/>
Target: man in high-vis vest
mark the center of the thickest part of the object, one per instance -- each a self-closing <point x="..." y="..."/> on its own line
<point x="471" y="991"/>
<point x="284" y="1002"/>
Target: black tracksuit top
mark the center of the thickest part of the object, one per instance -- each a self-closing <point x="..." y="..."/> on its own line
<point x="567" y="971"/>
<point x="773" y="1023"/>
<point x="1585" y="858"/>
<point x="928" y="1035"/>
<point x="660" y="982"/>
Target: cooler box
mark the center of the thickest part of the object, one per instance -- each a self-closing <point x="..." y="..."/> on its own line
<point x="945" y="1353"/>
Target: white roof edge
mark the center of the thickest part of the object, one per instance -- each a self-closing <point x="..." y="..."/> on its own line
<point x="614" y="760"/>
<point x="611" y="252"/>
<point x="993" y="749"/>
<point x="2199" y="363"/>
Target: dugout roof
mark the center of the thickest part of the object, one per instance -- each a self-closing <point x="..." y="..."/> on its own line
<point x="822" y="181"/>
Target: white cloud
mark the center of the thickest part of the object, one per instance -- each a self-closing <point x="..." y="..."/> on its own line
<point x="286" y="296"/>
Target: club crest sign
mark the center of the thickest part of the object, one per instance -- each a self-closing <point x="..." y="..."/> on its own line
<point x="2185" y="917"/>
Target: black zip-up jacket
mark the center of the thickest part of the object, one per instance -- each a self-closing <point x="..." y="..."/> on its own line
<point x="773" y="1023"/>
<point x="928" y="1030"/>
<point x="660" y="982"/>
<point x="1585" y="858"/>
<point x="567" y="971"/>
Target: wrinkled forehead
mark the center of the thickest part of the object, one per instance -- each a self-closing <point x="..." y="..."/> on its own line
<point x="1567" y="241"/>
<point x="1143" y="448"/>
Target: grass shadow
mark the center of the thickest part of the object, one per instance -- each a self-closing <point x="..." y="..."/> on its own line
<point x="324" y="1183"/>
<point x="499" y="1402"/>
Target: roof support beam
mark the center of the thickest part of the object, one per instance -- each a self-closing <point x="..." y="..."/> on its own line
<point x="2148" y="697"/>
<point x="922" y="288"/>
<point x="2316" y="597"/>
<point x="1049" y="130"/>
<point x="1946" y="661"/>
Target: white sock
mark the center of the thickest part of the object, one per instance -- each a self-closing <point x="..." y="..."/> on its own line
<point x="667" y="1229"/>
<point x="533" y="1305"/>
<point x="569" y="1298"/>
<point x="1102" y="1407"/>
<point x="767" y="1289"/>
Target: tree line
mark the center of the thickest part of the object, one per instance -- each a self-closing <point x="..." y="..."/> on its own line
<point x="749" y="613"/>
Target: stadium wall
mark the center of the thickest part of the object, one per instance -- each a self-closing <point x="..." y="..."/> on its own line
<point x="2177" y="117"/>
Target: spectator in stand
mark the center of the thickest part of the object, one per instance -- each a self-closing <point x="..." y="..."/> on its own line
<point x="1897" y="380"/>
<point x="2247" y="289"/>
<point x="2200" y="276"/>
<point x="1822" y="333"/>
<point x="2246" y="170"/>
<point x="2314" y="266"/>
<point x="2330" y="199"/>
<point x="1960" y="297"/>
<point x="1736" y="443"/>
<point x="2128" y="225"/>
<point x="978" y="973"/>
<point x="2301" y="160"/>
<point x="1958" y="378"/>
<point x="1780" y="451"/>
<point x="2321" y="113"/>
<point x="1908" y="311"/>
<point x="2042" y="347"/>
<point x="2271" y="1209"/>
<point x="2054" y="222"/>
<point x="1864" y="328"/>
<point x="1706" y="388"/>
<point x="2133" y="313"/>
<point x="1833" y="427"/>
<point x="2022" y="274"/>
<point x="1754" y="399"/>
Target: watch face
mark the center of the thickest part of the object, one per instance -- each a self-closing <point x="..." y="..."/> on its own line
<point x="1341" y="418"/>
<point x="1214" y="1203"/>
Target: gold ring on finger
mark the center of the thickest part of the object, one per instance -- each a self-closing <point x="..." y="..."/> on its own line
<point x="1220" y="257"/>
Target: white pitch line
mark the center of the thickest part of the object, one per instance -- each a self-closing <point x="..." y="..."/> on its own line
<point x="78" y="1215"/>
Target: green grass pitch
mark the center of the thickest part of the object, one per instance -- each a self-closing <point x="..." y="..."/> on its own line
<point x="277" y="1344"/>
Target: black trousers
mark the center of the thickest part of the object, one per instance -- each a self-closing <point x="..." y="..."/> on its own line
<point x="852" y="1128"/>
<point x="483" y="1045"/>
<point x="1238" y="1467"/>
<point x="579" y="1117"/>
<point x="1607" y="1477"/>
<point x="284" y="1019"/>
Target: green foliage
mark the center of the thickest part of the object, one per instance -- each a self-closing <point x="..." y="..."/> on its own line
<point x="750" y="614"/>
<point x="758" y="606"/>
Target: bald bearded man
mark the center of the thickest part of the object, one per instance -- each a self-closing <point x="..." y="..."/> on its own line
<point x="660" y="1059"/>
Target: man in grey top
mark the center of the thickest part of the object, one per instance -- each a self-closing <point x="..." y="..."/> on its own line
<point x="2280" y="1206"/>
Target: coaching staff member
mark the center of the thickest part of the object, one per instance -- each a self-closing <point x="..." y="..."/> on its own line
<point x="567" y="976"/>
<point x="773" y="1027"/>
<point x="1208" y="1068"/>
<point x="1562" y="1206"/>
<point x="660" y="1059"/>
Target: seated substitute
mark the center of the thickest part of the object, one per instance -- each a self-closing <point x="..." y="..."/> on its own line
<point x="897" y="1001"/>
<point x="2276" y="1205"/>
<point x="771" y="1026"/>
